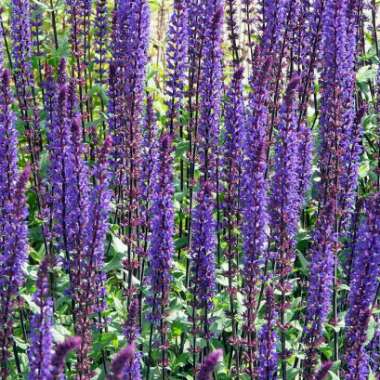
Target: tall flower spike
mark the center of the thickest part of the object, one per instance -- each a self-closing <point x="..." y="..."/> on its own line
<point x="203" y="225"/>
<point x="254" y="197"/>
<point x="324" y="371"/>
<point x="320" y="285"/>
<point x="60" y="353"/>
<point x="210" y="92"/>
<point x="131" y="332"/>
<point x="233" y="30"/>
<point x="202" y="254"/>
<point x="231" y="175"/>
<point x="130" y="59"/>
<point x="148" y="162"/>
<point x="310" y="40"/>
<point x="101" y="34"/>
<point x="13" y="227"/>
<point x="23" y="74"/>
<point x="284" y="203"/>
<point x="122" y="363"/>
<point x="336" y="126"/>
<point x="363" y="288"/>
<point x="351" y="160"/>
<point x="176" y="62"/>
<point x="161" y="247"/>
<point x="304" y="161"/>
<point x="209" y="365"/>
<point x="268" y="357"/>
<point x="100" y="198"/>
<point x="40" y="352"/>
<point x="60" y="170"/>
<point x="284" y="198"/>
<point x="83" y="262"/>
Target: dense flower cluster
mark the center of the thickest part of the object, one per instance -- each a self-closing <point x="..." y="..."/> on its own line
<point x="267" y="340"/>
<point x="40" y="353"/>
<point x="363" y="288"/>
<point x="13" y="240"/>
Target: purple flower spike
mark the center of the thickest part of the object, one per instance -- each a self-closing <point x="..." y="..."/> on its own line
<point x="210" y="91"/>
<point x="127" y="81"/>
<point x="209" y="365"/>
<point x="320" y="285"/>
<point x="324" y="371"/>
<point x="61" y="351"/>
<point x="254" y="197"/>
<point x="203" y="255"/>
<point x="23" y="74"/>
<point x="99" y="208"/>
<point x="363" y="288"/>
<point x="40" y="353"/>
<point x="122" y="363"/>
<point x="268" y="357"/>
<point x="285" y="199"/>
<point x="231" y="175"/>
<point x="176" y="60"/>
<point x="101" y="34"/>
<point x="161" y="247"/>
<point x="131" y="332"/>
<point x="13" y="227"/>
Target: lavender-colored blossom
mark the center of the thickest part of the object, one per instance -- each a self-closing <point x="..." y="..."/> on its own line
<point x="22" y="42"/>
<point x="36" y="12"/>
<point x="337" y="116"/>
<point x="324" y="371"/>
<point x="209" y="365"/>
<point x="176" y="61"/>
<point x="23" y="74"/>
<point x="100" y="197"/>
<point x="131" y="332"/>
<point x="248" y="10"/>
<point x="254" y="196"/>
<point x="320" y="284"/>
<point x="310" y="40"/>
<point x="233" y="30"/>
<point x="60" y="171"/>
<point x="363" y="288"/>
<point x="231" y="174"/>
<point x="101" y="33"/>
<point x="336" y="126"/>
<point x="351" y="161"/>
<point x="203" y="224"/>
<point x="130" y="55"/>
<point x="202" y="252"/>
<point x="148" y="162"/>
<point x="284" y="204"/>
<point x="13" y="228"/>
<point x="40" y="352"/>
<point x="195" y="13"/>
<point x="60" y="353"/>
<point x="210" y="92"/>
<point x="114" y="122"/>
<point x="122" y="363"/>
<point x="50" y="98"/>
<point x="161" y="247"/>
<point x="304" y="161"/>
<point x="130" y="329"/>
<point x="268" y="357"/>
<point x="82" y="262"/>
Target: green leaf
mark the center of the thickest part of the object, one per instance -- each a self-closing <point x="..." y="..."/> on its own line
<point x="366" y="73"/>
